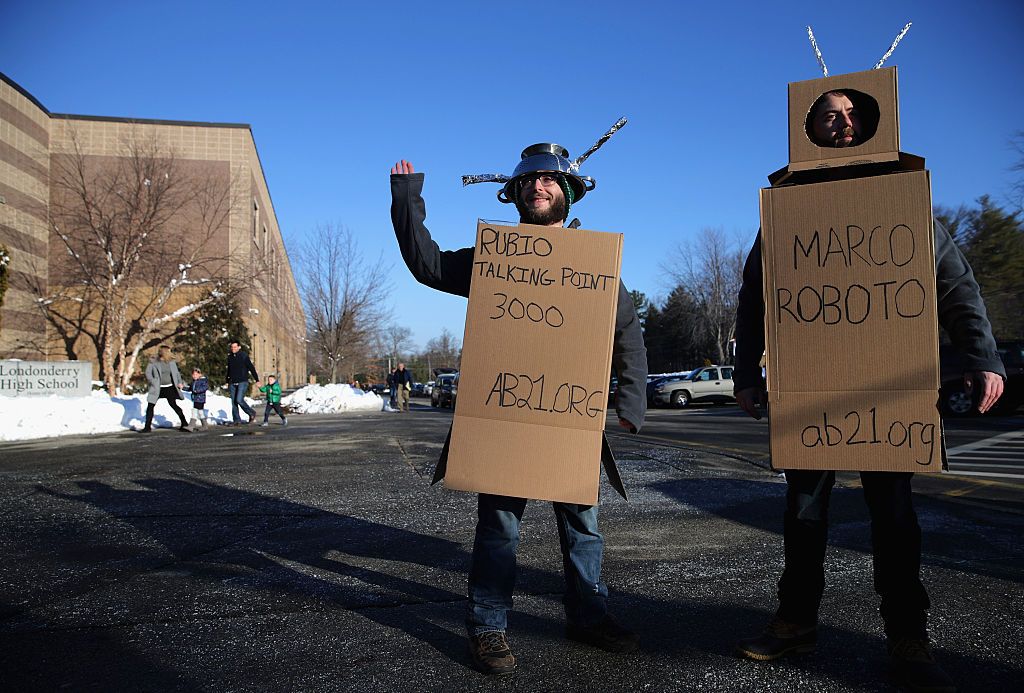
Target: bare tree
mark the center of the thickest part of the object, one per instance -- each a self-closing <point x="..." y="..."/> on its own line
<point x="142" y="233"/>
<point x="398" y="342"/>
<point x="345" y="299"/>
<point x="711" y="270"/>
<point x="443" y="351"/>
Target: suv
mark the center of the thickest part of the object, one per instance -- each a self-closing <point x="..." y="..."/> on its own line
<point x="441" y="394"/>
<point x="707" y="384"/>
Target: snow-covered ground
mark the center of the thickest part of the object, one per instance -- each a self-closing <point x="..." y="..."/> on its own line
<point x="25" y="417"/>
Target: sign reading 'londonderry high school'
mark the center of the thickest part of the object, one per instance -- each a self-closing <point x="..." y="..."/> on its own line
<point x="533" y="386"/>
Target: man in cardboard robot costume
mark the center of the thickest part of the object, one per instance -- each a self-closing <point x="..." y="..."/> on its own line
<point x="543" y="187"/>
<point x="841" y="119"/>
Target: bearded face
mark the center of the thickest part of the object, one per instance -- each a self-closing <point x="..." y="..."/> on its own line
<point x="541" y="200"/>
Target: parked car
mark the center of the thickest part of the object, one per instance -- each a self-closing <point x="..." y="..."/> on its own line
<point x="707" y="384"/>
<point x="428" y="387"/>
<point x="417" y="390"/>
<point x="441" y="395"/>
<point x="956" y="401"/>
<point x="654" y="381"/>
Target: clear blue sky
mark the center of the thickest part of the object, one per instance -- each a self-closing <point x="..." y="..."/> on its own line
<point x="336" y="92"/>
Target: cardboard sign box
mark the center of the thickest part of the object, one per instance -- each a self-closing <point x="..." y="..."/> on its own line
<point x="873" y="93"/>
<point x="536" y="359"/>
<point x="851" y="324"/>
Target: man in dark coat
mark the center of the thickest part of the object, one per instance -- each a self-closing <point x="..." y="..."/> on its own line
<point x="238" y="370"/>
<point x="895" y="533"/>
<point x="543" y="190"/>
<point x="401" y="385"/>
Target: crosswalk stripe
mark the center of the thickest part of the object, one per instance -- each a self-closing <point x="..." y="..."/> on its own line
<point x="992" y="474"/>
<point x="986" y="442"/>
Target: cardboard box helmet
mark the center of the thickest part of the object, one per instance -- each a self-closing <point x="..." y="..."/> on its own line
<point x="849" y="287"/>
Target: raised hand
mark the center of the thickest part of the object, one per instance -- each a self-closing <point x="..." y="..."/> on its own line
<point x="402" y="167"/>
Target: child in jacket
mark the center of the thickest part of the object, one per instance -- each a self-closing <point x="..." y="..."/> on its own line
<point x="198" y="387"/>
<point x="273" y="392"/>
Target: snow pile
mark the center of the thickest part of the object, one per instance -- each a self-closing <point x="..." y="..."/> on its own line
<point x="324" y="399"/>
<point x="44" y="417"/>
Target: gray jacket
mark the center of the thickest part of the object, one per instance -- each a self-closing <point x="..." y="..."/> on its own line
<point x="153" y="376"/>
<point x="960" y="307"/>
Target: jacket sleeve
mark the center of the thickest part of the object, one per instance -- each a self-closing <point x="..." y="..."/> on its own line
<point x="750" y="323"/>
<point x="252" y="368"/>
<point x="629" y="358"/>
<point x="961" y="309"/>
<point x="448" y="270"/>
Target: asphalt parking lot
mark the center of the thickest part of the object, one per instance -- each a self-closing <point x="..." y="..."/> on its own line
<point x="318" y="557"/>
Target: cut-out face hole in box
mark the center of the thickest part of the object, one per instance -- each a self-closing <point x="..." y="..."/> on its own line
<point x="842" y="118"/>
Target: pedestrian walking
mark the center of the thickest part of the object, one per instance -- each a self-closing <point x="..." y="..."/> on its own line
<point x="164" y="383"/>
<point x="273" y="391"/>
<point x="239" y="368"/>
<point x="401" y="383"/>
<point x="199" y="387"/>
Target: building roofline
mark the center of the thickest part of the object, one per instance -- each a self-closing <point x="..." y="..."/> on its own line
<point x="115" y="119"/>
<point x="24" y="92"/>
<point x="149" y="121"/>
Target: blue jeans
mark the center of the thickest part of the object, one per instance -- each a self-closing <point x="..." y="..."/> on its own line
<point x="238" y="391"/>
<point x="492" y="575"/>
<point x="895" y="543"/>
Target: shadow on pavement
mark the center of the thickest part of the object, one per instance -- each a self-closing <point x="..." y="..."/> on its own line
<point x="287" y="556"/>
<point x="954" y="536"/>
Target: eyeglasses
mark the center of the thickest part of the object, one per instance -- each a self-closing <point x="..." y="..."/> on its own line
<point x="548" y="180"/>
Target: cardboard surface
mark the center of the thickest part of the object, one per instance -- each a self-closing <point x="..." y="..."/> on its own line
<point x="851" y="324"/>
<point x="536" y="360"/>
<point x="884" y="145"/>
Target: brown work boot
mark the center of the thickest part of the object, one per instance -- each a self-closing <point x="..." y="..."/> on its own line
<point x="912" y="665"/>
<point x="491" y="653"/>
<point x="779" y="639"/>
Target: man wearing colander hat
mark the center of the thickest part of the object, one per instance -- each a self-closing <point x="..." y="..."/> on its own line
<point x="543" y="187"/>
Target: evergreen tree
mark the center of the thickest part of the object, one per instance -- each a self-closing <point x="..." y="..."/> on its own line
<point x="993" y="241"/>
<point x="204" y="337"/>
<point x="673" y="335"/>
<point x="641" y="304"/>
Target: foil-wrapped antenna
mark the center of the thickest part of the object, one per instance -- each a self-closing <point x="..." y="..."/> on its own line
<point x="486" y="178"/>
<point x="575" y="165"/>
<point x="817" y="53"/>
<point x="893" y="46"/>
